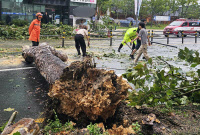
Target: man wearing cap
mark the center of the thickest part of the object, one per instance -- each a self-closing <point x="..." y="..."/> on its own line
<point x="34" y="30"/>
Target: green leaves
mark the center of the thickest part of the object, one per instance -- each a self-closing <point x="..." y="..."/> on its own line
<point x="136" y="127"/>
<point x="17" y="133"/>
<point x="17" y="32"/>
<point x="190" y="56"/>
<point x="173" y="86"/>
<point x="3" y="126"/>
<point x="94" y="129"/>
<point x="56" y="126"/>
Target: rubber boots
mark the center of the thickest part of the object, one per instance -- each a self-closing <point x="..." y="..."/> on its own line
<point x="120" y="47"/>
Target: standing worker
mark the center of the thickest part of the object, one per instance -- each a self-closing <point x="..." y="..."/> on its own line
<point x="138" y="40"/>
<point x="143" y="36"/>
<point x="129" y="35"/>
<point x="79" y="40"/>
<point x="34" y="30"/>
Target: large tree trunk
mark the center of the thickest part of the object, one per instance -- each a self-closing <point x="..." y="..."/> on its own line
<point x="80" y="87"/>
<point x="47" y="60"/>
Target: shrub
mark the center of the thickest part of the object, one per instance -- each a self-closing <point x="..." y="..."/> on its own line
<point x="18" y="22"/>
<point x="16" y="32"/>
<point x="2" y="23"/>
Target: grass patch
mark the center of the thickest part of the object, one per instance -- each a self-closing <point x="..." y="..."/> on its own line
<point x="157" y="27"/>
<point x="122" y="28"/>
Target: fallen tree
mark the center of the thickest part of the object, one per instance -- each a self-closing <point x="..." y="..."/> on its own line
<point x="80" y="87"/>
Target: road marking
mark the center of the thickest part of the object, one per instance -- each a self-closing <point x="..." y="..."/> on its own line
<point x="14" y="69"/>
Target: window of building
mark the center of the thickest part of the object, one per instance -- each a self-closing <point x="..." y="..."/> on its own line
<point x="82" y="4"/>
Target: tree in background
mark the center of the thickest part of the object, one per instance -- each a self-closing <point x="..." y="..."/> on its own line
<point x="116" y="5"/>
<point x="193" y="11"/>
<point x="190" y="8"/>
<point x="144" y="10"/>
<point x="173" y="6"/>
<point x="102" y="6"/>
<point x="185" y="4"/>
<point x="154" y="7"/>
<point x="127" y="7"/>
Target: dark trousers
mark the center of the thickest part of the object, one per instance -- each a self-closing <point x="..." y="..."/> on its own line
<point x="133" y="47"/>
<point x="138" y="44"/>
<point x="80" y="42"/>
<point x="35" y="43"/>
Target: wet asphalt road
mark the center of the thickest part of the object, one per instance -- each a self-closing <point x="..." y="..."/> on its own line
<point x="25" y="91"/>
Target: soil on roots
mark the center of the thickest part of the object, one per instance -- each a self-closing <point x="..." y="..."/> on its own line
<point x="125" y="115"/>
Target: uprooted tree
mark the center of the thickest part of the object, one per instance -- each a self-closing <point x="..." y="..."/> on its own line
<point x="80" y="87"/>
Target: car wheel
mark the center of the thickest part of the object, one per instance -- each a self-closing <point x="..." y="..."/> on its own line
<point x="165" y="35"/>
<point x="179" y="34"/>
<point x="185" y="35"/>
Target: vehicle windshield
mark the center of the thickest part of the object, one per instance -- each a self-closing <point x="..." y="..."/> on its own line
<point x="176" y="23"/>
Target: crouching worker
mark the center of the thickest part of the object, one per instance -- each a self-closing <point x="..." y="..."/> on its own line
<point x="79" y="40"/>
<point x="130" y="34"/>
<point x="143" y="36"/>
<point x="34" y="30"/>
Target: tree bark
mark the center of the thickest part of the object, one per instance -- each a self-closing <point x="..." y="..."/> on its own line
<point x="48" y="61"/>
<point x="80" y="87"/>
<point x="25" y="126"/>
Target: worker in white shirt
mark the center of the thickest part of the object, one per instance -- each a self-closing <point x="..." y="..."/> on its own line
<point x="79" y="40"/>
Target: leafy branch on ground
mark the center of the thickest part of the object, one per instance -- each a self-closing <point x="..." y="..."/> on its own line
<point x="164" y="84"/>
<point x="113" y="54"/>
<point x="190" y="56"/>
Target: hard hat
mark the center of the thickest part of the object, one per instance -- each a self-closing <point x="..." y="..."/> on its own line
<point x="38" y="15"/>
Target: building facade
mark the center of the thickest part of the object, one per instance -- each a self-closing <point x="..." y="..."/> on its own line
<point x="56" y="11"/>
<point x="81" y="10"/>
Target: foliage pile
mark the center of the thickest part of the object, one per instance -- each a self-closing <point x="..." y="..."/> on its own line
<point x="165" y="84"/>
<point x="8" y="32"/>
<point x="113" y="54"/>
<point x="18" y="22"/>
<point x="15" y="32"/>
<point x="50" y="29"/>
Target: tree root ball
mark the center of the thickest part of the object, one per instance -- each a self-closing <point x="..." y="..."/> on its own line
<point x="82" y="88"/>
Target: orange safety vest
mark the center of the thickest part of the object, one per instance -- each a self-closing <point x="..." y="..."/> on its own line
<point x="34" y="30"/>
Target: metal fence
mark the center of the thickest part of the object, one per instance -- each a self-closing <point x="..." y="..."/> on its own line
<point x="108" y="35"/>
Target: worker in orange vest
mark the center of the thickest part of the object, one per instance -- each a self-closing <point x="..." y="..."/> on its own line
<point x="34" y="30"/>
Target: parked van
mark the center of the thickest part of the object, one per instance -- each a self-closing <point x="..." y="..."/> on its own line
<point x="182" y="25"/>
